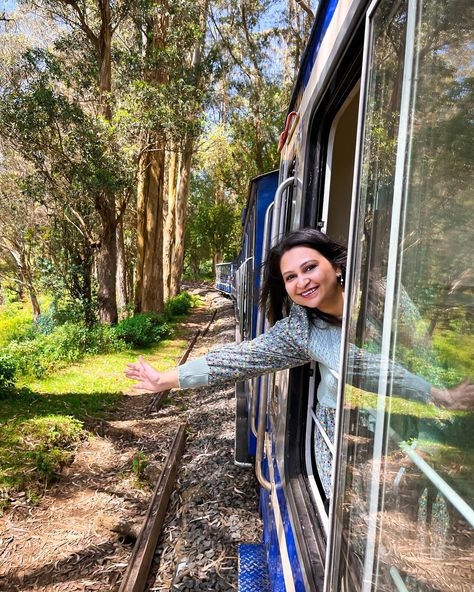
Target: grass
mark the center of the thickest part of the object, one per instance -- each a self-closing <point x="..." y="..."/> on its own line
<point x="42" y="424"/>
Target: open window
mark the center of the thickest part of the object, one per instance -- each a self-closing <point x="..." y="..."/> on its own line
<point x="329" y="170"/>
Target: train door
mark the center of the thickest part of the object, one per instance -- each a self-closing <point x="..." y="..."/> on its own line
<point x="334" y="219"/>
<point x="327" y="191"/>
<point x="403" y="518"/>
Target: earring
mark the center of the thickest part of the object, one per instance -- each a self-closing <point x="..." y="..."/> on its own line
<point x="340" y="279"/>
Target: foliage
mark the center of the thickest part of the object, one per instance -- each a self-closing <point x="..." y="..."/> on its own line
<point x="139" y="464"/>
<point x="143" y="329"/>
<point x="15" y="322"/>
<point x="34" y="450"/>
<point x="7" y="374"/>
<point x="180" y="304"/>
<point x="60" y="338"/>
<point x="66" y="344"/>
<point x="39" y="422"/>
<point x="40" y="433"/>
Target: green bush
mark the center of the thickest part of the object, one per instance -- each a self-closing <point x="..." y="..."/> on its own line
<point x="7" y="374"/>
<point x="180" y="304"/>
<point x="16" y="321"/>
<point x="143" y="329"/>
<point x="64" y="345"/>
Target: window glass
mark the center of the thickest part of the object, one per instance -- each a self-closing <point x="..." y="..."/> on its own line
<point x="406" y="513"/>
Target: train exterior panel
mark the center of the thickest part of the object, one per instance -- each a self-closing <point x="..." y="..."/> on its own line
<point x="378" y="155"/>
<point x="256" y="217"/>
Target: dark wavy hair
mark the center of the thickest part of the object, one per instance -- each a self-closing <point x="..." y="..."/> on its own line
<point x="273" y="297"/>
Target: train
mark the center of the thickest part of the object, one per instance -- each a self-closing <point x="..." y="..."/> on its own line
<point x="377" y="153"/>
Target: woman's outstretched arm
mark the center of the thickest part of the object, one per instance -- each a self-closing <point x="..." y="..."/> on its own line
<point x="284" y="345"/>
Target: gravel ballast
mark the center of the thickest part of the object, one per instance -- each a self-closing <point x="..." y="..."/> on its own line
<point x="215" y="503"/>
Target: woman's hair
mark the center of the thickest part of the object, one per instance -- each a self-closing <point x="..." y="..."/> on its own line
<point x="273" y="297"/>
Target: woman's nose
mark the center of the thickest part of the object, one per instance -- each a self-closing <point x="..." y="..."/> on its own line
<point x="302" y="281"/>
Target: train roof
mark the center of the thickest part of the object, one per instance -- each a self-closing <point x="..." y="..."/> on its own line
<point x="252" y="183"/>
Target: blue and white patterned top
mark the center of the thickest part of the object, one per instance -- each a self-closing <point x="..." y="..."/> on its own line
<point x="291" y="342"/>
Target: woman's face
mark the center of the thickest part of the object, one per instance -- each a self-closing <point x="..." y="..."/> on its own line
<point x="311" y="280"/>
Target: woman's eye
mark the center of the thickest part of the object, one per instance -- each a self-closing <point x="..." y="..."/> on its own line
<point x="289" y="277"/>
<point x="310" y="267"/>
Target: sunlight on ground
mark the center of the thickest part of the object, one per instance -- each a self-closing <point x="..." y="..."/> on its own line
<point x="104" y="373"/>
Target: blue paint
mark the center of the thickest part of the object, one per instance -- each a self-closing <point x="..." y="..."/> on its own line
<point x="253" y="569"/>
<point x="265" y="189"/>
<point x="261" y="195"/>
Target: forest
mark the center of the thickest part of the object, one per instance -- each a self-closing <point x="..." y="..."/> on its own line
<point x="128" y="133"/>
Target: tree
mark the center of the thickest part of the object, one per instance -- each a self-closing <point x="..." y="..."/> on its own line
<point x="21" y="225"/>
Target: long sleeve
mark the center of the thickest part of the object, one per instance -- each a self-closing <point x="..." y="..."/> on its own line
<point x="284" y="345"/>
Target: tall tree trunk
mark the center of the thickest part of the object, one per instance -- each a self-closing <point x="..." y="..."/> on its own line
<point x="149" y="270"/>
<point x="122" y="292"/>
<point x="28" y="283"/>
<point x="25" y="276"/>
<point x="107" y="256"/>
<point x="169" y="239"/>
<point x="181" y="209"/>
<point x="149" y="284"/>
<point x="185" y="170"/>
<point x="106" y="261"/>
<point x="33" y="299"/>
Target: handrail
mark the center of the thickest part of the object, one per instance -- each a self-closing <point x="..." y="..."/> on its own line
<point x="277" y="211"/>
<point x="240" y="292"/>
<point x="262" y="428"/>
<point x="260" y="318"/>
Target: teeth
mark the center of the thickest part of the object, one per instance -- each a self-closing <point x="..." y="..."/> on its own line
<point x="308" y="292"/>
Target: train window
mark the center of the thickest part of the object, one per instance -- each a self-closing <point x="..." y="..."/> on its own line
<point x="340" y="169"/>
<point x="404" y="514"/>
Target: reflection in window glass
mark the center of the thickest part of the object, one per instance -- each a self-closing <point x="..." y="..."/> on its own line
<point x="406" y="514"/>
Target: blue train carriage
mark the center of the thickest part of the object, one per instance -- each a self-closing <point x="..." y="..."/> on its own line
<point x="247" y="274"/>
<point x="378" y="154"/>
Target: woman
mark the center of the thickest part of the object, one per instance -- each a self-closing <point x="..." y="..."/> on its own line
<point x="304" y="275"/>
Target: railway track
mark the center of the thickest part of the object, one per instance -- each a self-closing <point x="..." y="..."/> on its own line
<point x="196" y="511"/>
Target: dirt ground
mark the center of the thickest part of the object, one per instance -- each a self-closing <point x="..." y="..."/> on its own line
<point x="67" y="542"/>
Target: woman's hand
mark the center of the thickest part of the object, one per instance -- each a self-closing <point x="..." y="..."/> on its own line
<point x="459" y="397"/>
<point x="150" y="379"/>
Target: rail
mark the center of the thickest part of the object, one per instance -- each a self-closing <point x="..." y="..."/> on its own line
<point x="277" y="211"/>
<point x="262" y="428"/>
<point x="136" y="576"/>
<point x="260" y="317"/>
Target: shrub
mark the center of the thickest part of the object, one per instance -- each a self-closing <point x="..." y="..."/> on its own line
<point x="143" y="329"/>
<point x="180" y="304"/>
<point x="15" y="322"/>
<point x="64" y="345"/>
<point x="7" y="374"/>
